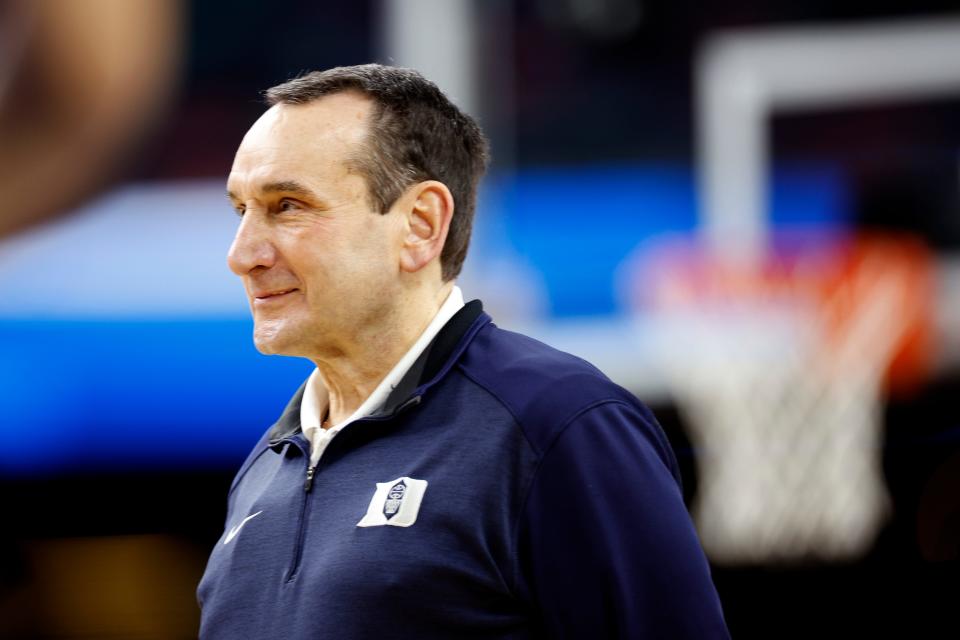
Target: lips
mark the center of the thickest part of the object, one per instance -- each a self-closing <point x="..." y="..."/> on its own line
<point x="273" y="293"/>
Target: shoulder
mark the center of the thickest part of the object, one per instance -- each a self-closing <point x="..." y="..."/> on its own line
<point x="544" y="388"/>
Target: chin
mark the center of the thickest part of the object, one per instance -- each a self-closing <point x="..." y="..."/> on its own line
<point x="272" y="340"/>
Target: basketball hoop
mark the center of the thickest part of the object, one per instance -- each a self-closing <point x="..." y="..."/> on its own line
<point x="780" y="372"/>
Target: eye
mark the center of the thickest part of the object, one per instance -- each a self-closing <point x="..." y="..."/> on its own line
<point x="240" y="210"/>
<point x="288" y="205"/>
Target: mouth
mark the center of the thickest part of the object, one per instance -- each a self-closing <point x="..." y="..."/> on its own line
<point x="262" y="297"/>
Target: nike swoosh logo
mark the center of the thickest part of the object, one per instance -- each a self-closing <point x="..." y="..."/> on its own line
<point x="233" y="532"/>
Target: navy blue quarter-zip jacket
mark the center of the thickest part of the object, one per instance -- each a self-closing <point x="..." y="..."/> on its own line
<point x="507" y="490"/>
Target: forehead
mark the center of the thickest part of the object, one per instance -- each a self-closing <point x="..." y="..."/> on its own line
<point x="303" y="140"/>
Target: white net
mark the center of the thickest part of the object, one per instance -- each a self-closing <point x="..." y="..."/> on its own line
<point x="783" y="400"/>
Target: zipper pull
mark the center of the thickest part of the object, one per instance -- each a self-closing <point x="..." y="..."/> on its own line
<point x="308" y="485"/>
<point x="412" y="402"/>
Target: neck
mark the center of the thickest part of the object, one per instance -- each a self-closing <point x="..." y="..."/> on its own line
<point x="352" y="374"/>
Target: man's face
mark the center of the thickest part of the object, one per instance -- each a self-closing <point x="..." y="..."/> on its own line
<point x="317" y="262"/>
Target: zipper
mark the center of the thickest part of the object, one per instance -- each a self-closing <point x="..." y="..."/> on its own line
<point x="412" y="402"/>
<point x="308" y="484"/>
<point x="305" y="503"/>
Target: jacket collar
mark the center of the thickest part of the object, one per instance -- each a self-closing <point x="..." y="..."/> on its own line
<point x="432" y="365"/>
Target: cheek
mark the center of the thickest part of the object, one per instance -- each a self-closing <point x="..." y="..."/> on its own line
<point x="384" y="240"/>
<point x="372" y="251"/>
<point x="350" y="256"/>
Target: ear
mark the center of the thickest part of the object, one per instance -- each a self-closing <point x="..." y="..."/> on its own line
<point x="428" y="211"/>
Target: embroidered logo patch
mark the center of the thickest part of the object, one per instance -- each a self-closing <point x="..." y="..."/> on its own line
<point x="395" y="503"/>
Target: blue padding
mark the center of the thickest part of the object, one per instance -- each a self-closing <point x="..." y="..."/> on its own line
<point x="132" y="394"/>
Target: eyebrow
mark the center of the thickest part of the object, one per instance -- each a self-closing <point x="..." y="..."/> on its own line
<point x="283" y="186"/>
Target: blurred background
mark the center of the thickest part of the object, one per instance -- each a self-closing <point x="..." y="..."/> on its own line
<point x="748" y="214"/>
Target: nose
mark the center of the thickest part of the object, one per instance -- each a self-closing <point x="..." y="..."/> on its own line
<point x="252" y="246"/>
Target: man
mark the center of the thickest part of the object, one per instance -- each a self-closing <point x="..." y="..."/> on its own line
<point x="435" y="476"/>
